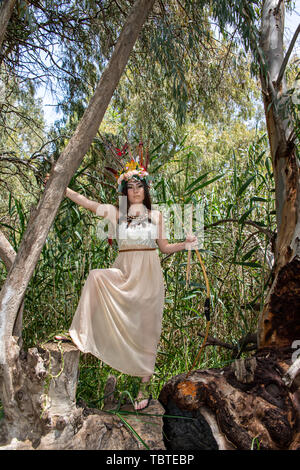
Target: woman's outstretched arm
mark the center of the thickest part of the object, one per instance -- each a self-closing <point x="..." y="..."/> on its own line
<point x="168" y="248"/>
<point x="79" y="198"/>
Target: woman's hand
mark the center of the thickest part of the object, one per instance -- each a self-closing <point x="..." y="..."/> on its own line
<point x="191" y="242"/>
<point x="46" y="179"/>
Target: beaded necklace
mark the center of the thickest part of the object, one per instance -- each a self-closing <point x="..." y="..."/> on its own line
<point x="138" y="218"/>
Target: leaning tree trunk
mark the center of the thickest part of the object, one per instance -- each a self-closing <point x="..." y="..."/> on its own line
<point x="39" y="398"/>
<point x="279" y="324"/>
<point x="5" y="14"/>
<point x="15" y="380"/>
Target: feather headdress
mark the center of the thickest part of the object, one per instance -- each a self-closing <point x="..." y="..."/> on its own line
<point x="134" y="167"/>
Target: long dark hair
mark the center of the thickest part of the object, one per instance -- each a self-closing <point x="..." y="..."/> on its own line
<point x="146" y="202"/>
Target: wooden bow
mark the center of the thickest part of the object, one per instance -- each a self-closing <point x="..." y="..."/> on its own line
<point x="207" y="300"/>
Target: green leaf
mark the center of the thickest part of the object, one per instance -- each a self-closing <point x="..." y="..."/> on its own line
<point x="206" y="183"/>
<point x="249" y="253"/>
<point x="189" y="297"/>
<point x="245" y="185"/>
<point x="250" y="264"/>
<point x="245" y="215"/>
<point x="179" y="171"/>
<point x="197" y="180"/>
<point x="230" y="206"/>
<point x="78" y="235"/>
<point x="132" y="430"/>
<point x="267" y="162"/>
<point x="260" y="157"/>
<point x="259" y="199"/>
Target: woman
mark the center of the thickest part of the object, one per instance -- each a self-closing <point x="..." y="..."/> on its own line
<point x="119" y="315"/>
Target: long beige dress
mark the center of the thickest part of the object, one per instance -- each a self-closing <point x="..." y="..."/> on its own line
<point x="119" y="315"/>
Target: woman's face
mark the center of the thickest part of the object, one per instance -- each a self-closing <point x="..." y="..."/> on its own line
<point x="135" y="191"/>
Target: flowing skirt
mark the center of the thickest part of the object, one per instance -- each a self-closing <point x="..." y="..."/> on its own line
<point x="119" y="315"/>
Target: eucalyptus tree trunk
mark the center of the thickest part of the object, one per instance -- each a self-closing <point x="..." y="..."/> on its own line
<point x="279" y="324"/>
<point x="7" y="255"/>
<point x="5" y="14"/>
<point x="21" y="377"/>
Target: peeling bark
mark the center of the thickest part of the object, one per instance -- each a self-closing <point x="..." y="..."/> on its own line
<point x="39" y="398"/>
<point x="279" y="323"/>
<point x="292" y="376"/>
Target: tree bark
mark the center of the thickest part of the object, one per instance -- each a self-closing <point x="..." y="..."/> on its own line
<point x="5" y="14"/>
<point x="255" y="403"/>
<point x="8" y="254"/>
<point x="245" y="406"/>
<point x="279" y="323"/>
<point x="42" y="217"/>
<point x="39" y="398"/>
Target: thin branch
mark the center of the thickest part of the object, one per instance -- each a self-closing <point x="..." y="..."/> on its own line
<point x="286" y="58"/>
<point x="242" y="345"/>
<point x="121" y="10"/>
<point x="267" y="232"/>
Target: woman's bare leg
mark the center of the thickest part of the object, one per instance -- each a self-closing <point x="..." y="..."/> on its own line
<point x="146" y="379"/>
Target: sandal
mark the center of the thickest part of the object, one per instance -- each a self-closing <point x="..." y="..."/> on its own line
<point x="144" y="394"/>
<point x="65" y="338"/>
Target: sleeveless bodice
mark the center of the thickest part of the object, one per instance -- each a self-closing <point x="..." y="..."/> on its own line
<point x="137" y="234"/>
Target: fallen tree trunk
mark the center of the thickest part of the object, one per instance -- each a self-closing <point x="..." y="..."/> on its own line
<point x="39" y="398"/>
<point x="243" y="406"/>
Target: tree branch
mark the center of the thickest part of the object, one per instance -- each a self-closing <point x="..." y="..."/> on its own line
<point x="286" y="58"/>
<point x="267" y="232"/>
<point x="8" y="255"/>
<point x="292" y="373"/>
<point x="249" y="338"/>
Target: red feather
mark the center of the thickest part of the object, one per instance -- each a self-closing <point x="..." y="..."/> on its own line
<point x="147" y="160"/>
<point x="112" y="170"/>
